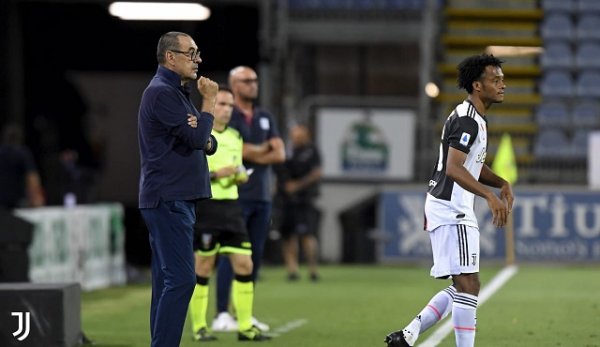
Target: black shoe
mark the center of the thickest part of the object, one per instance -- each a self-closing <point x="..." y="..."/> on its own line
<point x="314" y="277"/>
<point x="252" y="334"/>
<point x="84" y="340"/>
<point x="293" y="277"/>
<point x="204" y="335"/>
<point x="396" y="339"/>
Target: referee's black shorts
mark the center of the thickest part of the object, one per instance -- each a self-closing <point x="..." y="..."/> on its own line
<point x="220" y="227"/>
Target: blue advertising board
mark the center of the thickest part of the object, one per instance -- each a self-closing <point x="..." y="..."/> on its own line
<point x="556" y="226"/>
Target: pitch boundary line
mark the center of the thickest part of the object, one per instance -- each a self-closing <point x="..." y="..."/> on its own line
<point x="286" y="328"/>
<point x="496" y="283"/>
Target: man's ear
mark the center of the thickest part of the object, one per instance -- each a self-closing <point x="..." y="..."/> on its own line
<point x="477" y="86"/>
<point x="169" y="57"/>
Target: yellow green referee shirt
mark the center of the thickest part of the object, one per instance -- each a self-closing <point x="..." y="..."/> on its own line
<point x="228" y="153"/>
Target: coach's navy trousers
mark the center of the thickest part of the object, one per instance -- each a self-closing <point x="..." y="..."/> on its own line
<point x="173" y="276"/>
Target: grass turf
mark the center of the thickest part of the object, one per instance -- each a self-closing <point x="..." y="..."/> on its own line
<point x="359" y="305"/>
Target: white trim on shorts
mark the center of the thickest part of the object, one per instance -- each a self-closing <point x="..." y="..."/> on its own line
<point x="455" y="249"/>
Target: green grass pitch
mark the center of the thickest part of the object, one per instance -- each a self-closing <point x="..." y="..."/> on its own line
<point x="541" y="306"/>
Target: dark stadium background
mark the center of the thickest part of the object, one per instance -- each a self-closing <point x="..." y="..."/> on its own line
<point x="41" y="42"/>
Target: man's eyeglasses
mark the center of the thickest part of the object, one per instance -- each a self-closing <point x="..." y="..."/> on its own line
<point x="192" y="55"/>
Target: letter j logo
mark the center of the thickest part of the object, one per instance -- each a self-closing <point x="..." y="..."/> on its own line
<point x="23" y="330"/>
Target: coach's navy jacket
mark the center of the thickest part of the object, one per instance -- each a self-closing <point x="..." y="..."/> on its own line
<point x="173" y="160"/>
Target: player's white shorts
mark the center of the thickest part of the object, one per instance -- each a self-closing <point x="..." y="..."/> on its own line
<point x="455" y="250"/>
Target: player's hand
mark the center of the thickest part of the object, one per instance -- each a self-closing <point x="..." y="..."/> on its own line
<point x="507" y="196"/>
<point x="241" y="177"/>
<point x="207" y="87"/>
<point x="192" y="120"/>
<point x="499" y="210"/>
<point x="292" y="186"/>
<point x="226" y="171"/>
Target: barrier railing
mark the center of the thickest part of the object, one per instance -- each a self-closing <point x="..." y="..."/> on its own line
<point x="82" y="244"/>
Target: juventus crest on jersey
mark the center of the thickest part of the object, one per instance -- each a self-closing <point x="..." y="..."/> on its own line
<point x="447" y="202"/>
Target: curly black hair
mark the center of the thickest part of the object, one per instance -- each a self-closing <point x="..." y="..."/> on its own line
<point x="471" y="69"/>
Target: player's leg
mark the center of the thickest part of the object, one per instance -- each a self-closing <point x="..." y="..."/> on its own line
<point x="289" y="241"/>
<point x="237" y="246"/>
<point x="242" y="289"/>
<point x="310" y="250"/>
<point x="257" y="224"/>
<point x="464" y="308"/>
<point x="438" y="307"/>
<point x="443" y="243"/>
<point x="289" y="247"/>
<point x="205" y="256"/>
<point x="223" y="320"/>
<point x="258" y="217"/>
<point x="225" y="271"/>
<point x="310" y="246"/>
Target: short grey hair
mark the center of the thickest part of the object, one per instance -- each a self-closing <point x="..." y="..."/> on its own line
<point x="168" y="41"/>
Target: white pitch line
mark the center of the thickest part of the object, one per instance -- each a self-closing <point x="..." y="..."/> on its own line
<point x="295" y="324"/>
<point x="498" y="281"/>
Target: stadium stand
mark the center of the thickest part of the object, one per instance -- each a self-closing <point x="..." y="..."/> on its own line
<point x="586" y="56"/>
<point x="587" y="84"/>
<point x="471" y="28"/>
<point x="557" y="84"/>
<point x="552" y="144"/>
<point x="561" y="6"/>
<point x="552" y="114"/>
<point x="557" y="55"/>
<point x="545" y="82"/>
<point x="548" y="93"/>
<point x="577" y="89"/>
<point x="587" y="6"/>
<point x="585" y="114"/>
<point x="579" y="144"/>
<point x="587" y="27"/>
<point x="557" y="26"/>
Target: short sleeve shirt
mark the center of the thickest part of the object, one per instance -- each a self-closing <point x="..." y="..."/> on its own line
<point x="259" y="128"/>
<point x="447" y="202"/>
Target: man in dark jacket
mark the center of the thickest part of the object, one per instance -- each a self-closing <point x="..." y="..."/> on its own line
<point x="174" y="140"/>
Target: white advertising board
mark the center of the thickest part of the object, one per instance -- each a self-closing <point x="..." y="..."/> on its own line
<point x="360" y="143"/>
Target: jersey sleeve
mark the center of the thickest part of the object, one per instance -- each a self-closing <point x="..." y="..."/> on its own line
<point x="273" y="130"/>
<point x="462" y="132"/>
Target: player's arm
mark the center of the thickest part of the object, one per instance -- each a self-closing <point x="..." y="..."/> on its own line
<point x="172" y="113"/>
<point x="456" y="171"/>
<point x="35" y="193"/>
<point x="269" y="152"/>
<point x="488" y="177"/>
<point x="251" y="151"/>
<point x="313" y="176"/>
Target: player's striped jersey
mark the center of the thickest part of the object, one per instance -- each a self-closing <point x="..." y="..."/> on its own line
<point x="447" y="202"/>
